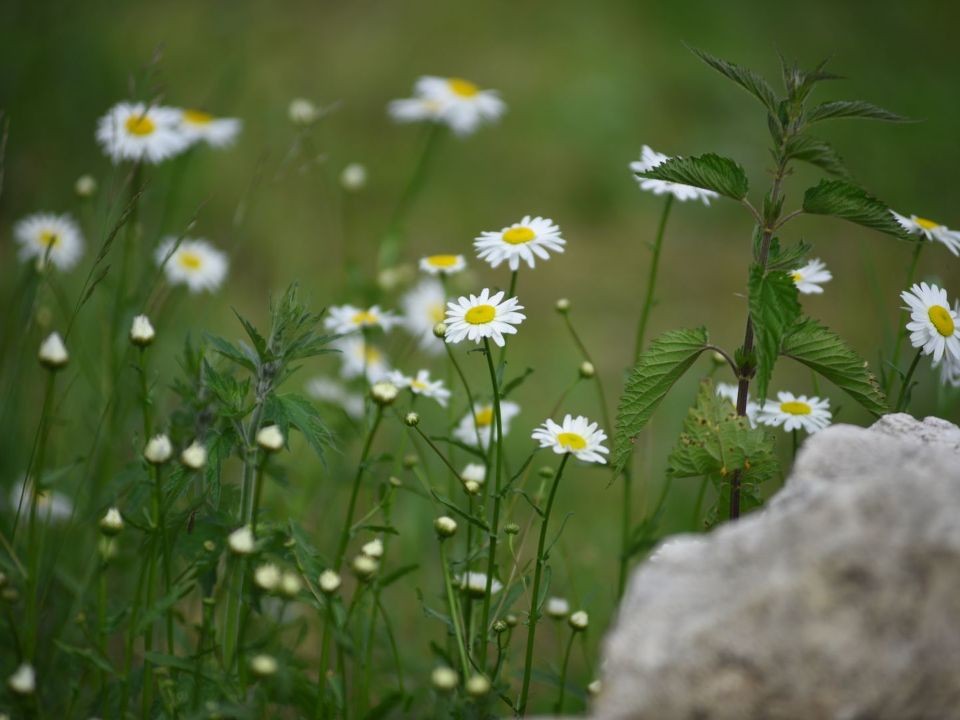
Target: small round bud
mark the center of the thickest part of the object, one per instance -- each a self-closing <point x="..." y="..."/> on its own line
<point x="329" y="582"/>
<point x="445" y="526"/>
<point x="412" y="419"/>
<point x="111" y="523"/>
<point x="209" y="545"/>
<point x="85" y="186"/>
<point x="303" y="112"/>
<point x="270" y="438"/>
<point x="353" y="177"/>
<point x="141" y="331"/>
<point x="364" y="567"/>
<point x="472" y="487"/>
<point x="24" y="680"/>
<point x="562" y="306"/>
<point x="410" y="461"/>
<point x="500" y="626"/>
<point x="718" y="358"/>
<point x="444" y="679"/>
<point x="194" y="456"/>
<point x="594" y="688"/>
<point x="587" y="370"/>
<point x="158" y="450"/>
<point x="383" y="393"/>
<point x="53" y="353"/>
<point x="512" y="620"/>
<point x="477" y="685"/>
<point x="373" y="549"/>
<point x="557" y="608"/>
<point x="475" y="472"/>
<point x="511" y="529"/>
<point x="579" y="620"/>
<point x="241" y="540"/>
<point x="395" y="481"/>
<point x="263" y="665"/>
<point x="267" y="577"/>
<point x="546" y="472"/>
<point x="440" y="330"/>
<point x="290" y="584"/>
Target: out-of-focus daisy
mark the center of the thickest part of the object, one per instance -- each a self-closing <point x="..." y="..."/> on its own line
<point x="135" y="131"/>
<point x="532" y="236"/>
<point x="483" y="316"/>
<point x="198" y="126"/>
<point x="576" y="435"/>
<point x="421" y="385"/>
<point x="423" y="308"/>
<point x="193" y="262"/>
<point x="332" y="392"/>
<point x="811" y="276"/>
<point x="361" y="358"/>
<point x="796" y="413"/>
<point x="474" y="472"/>
<point x="458" y="103"/>
<point x="45" y="235"/>
<point x="649" y="159"/>
<point x="475" y="583"/>
<point x="481" y="422"/>
<point x="344" y="319"/>
<point x="415" y="109"/>
<point x="729" y="392"/>
<point x="443" y="264"/>
<point x="930" y="230"/>
<point x="933" y="326"/>
<point x="50" y="504"/>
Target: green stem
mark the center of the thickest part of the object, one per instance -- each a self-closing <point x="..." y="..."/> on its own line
<point x="698" y="506"/>
<point x="206" y="623"/>
<point x="351" y="508"/>
<point x="905" y="387"/>
<point x="652" y="279"/>
<point x="563" y="672"/>
<point x="501" y="362"/>
<point x="466" y="388"/>
<point x="454" y="610"/>
<point x="902" y="330"/>
<point x="321" y="710"/>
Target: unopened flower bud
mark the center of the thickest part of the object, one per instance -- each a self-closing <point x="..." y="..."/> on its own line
<point x="141" y="331"/>
<point x="267" y="577"/>
<point x="412" y="419"/>
<point x="329" y="582"/>
<point x="270" y="438"/>
<point x="241" y="540"/>
<point x="194" y="456"/>
<point x="373" y="549"/>
<point x="579" y="620"/>
<point x="718" y="358"/>
<point x="364" y="566"/>
<point x="500" y="626"/>
<point x="410" y="461"/>
<point x="557" y="608"/>
<point x="546" y="472"/>
<point x="440" y="330"/>
<point x="290" y="584"/>
<point x="209" y="545"/>
<point x="111" y="523"/>
<point x="562" y="306"/>
<point x="475" y="472"/>
<point x="512" y="620"/>
<point x="472" y="487"/>
<point x="53" y="353"/>
<point x="587" y="370"/>
<point x="383" y="393"/>
<point x="158" y="450"/>
<point x="445" y="526"/>
<point x="263" y="665"/>
<point x="24" y="680"/>
<point x="85" y="186"/>
<point x="395" y="481"/>
<point x="353" y="177"/>
<point x="444" y="679"/>
<point x="511" y="529"/>
<point x="477" y="685"/>
<point x="594" y="688"/>
<point x="303" y="112"/>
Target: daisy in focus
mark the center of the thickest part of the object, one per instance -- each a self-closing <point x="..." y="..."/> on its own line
<point x="729" y="392"/>
<point x="345" y="319"/>
<point x="423" y="308"/>
<point x="575" y="435"/>
<point x="455" y="102"/>
<point x="649" y="159"/>
<point x="51" y="505"/>
<point x="931" y="230"/>
<point x="483" y="316"/>
<point x="933" y="325"/>
<point x="200" y="126"/>
<point x="481" y="421"/>
<point x="135" y="131"/>
<point x="443" y="264"/>
<point x="192" y="262"/>
<point x="333" y="393"/>
<point x="811" y="277"/>
<point x="45" y="235"/>
<point x="796" y="413"/>
<point x="532" y="236"/>
<point x="421" y="385"/>
<point x="361" y="359"/>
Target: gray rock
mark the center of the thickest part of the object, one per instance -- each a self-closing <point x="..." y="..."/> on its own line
<point x="840" y="600"/>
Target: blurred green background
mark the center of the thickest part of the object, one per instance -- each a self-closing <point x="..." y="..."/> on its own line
<point x="586" y="85"/>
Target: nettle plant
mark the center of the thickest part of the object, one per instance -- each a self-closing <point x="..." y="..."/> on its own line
<point x="719" y="442"/>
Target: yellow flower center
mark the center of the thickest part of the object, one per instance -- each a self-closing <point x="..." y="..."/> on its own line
<point x="442" y="261"/>
<point x="364" y="317"/>
<point x="436" y="312"/>
<point x="926" y="224"/>
<point x="371" y="355"/>
<point x="571" y="441"/>
<point x="418" y="384"/>
<point x="797" y="276"/>
<point x="518" y="235"/>
<point x="483" y="417"/>
<point x="795" y="407"/>
<point x="189" y="260"/>
<point x="48" y="238"/>
<point x="463" y="88"/>
<point x="140" y="125"/>
<point x="480" y="315"/>
<point x="197" y="117"/>
<point x="942" y="320"/>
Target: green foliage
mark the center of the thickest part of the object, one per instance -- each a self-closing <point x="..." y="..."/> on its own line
<point x="780" y="258"/>
<point x="294" y="410"/>
<point x="815" y="151"/>
<point x="826" y="353"/>
<point x="838" y="109"/>
<point x="656" y="370"/>
<point x="843" y="199"/>
<point x="710" y="172"/>
<point x="749" y="80"/>
<point x="774" y="307"/>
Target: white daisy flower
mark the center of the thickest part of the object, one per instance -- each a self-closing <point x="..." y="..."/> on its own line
<point x="421" y="385"/>
<point x="415" y="109"/>
<point x="45" y="235"/>
<point x="649" y="159"/>
<point x="332" y="392"/>
<point x="443" y="264"/>
<point x="344" y="319"/>
<point x="729" y="392"/>
<point x="481" y="422"/>
<point x="520" y="241"/>
<point x="423" y="308"/>
<point x="933" y="326"/>
<point x="577" y="435"/>
<point x="50" y="504"/>
<point x="930" y="230"/>
<point x="475" y="583"/>
<point x="483" y="316"/>
<point x="192" y="262"/>
<point x="360" y="358"/>
<point x="455" y="102"/>
<point x="135" y="131"/>
<point x="795" y="413"/>
<point x="200" y="126"/>
<point x="474" y="472"/>
<point x="811" y="276"/>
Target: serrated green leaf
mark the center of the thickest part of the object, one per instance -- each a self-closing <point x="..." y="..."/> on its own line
<point x="774" y="307"/>
<point x="786" y="258"/>
<point x="656" y="370"/>
<point x="823" y="351"/>
<point x="259" y="343"/>
<point x="710" y="172"/>
<point x="816" y="152"/>
<point x="751" y="81"/>
<point x="838" y="109"/>
<point x="294" y="410"/>
<point x="843" y="199"/>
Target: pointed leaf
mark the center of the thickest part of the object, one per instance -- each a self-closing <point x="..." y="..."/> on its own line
<point x="749" y="80"/>
<point x="816" y="152"/>
<point x="838" y="109"/>
<point x="710" y="172"/>
<point x="294" y="410"/>
<point x="774" y="308"/>
<point x="845" y="200"/>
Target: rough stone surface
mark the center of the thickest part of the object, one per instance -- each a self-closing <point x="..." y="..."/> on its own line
<point x="840" y="600"/>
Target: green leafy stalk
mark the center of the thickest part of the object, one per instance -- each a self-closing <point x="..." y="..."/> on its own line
<point x="355" y="490"/>
<point x="652" y="279"/>
<point x="454" y="609"/>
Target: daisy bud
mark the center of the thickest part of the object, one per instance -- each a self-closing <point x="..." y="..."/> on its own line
<point x="241" y="540"/>
<point x="290" y="584"/>
<point x="111" y="523"/>
<point x="594" y="688"/>
<point x="353" y="177"/>
<point x="412" y="419"/>
<point x="85" y="186"/>
<point x="475" y="472"/>
<point x="477" y="685"/>
<point x="270" y="438"/>
<point x="445" y="526"/>
<point x="194" y="456"/>
<point x="718" y="358"/>
<point x="24" y="680"/>
<point x="267" y="577"/>
<point x="158" y="450"/>
<point x="141" y="331"/>
<point x="472" y="487"/>
<point x="53" y="353"/>
<point x="410" y="461"/>
<point x="587" y="370"/>
<point x="263" y="665"/>
<point x="383" y="393"/>
<point x="395" y="481"/>
<point x="557" y="608"/>
<point x="440" y="330"/>
<point x="563" y="306"/>
<point x="302" y="112"/>
<point x="329" y="582"/>
<point x="546" y="472"/>
<point x="364" y="567"/>
<point x="500" y="626"/>
<point x="579" y="620"/>
<point x="444" y="679"/>
<point x="373" y="549"/>
<point x="209" y="545"/>
<point x="512" y="529"/>
<point x="512" y="620"/>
